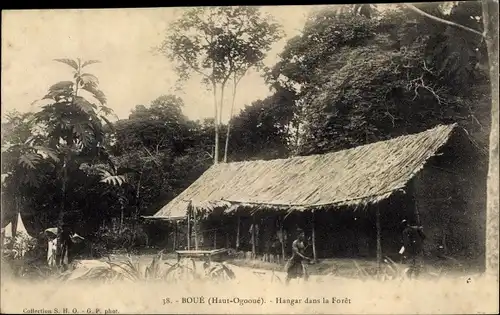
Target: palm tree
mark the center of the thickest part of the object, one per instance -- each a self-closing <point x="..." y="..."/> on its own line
<point x="73" y="123"/>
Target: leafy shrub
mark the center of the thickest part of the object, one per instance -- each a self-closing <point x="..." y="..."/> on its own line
<point x="127" y="238"/>
<point x="20" y="245"/>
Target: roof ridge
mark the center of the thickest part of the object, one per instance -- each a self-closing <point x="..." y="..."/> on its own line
<point x="300" y="157"/>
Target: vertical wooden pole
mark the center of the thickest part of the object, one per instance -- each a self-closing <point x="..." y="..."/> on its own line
<point x="238" y="233"/>
<point x="415" y="199"/>
<point x="215" y="239"/>
<point x="416" y="207"/>
<point x="175" y="235"/>
<point x="253" y="237"/>
<point x="282" y="241"/>
<point x="189" y="227"/>
<point x="379" y="243"/>
<point x="313" y="236"/>
<point x="196" y="225"/>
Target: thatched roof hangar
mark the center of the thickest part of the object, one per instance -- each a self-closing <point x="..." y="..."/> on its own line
<point x="361" y="175"/>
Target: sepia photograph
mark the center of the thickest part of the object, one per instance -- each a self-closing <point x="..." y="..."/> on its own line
<point x="292" y="159"/>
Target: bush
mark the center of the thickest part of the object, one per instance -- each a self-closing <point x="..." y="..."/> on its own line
<point x="20" y="245"/>
<point x="128" y="238"/>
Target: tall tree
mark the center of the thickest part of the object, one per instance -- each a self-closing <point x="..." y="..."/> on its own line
<point x="260" y="130"/>
<point x="490" y="34"/>
<point x="416" y="73"/>
<point x="160" y="136"/>
<point x="490" y="18"/>
<point x="219" y="43"/>
<point x="22" y="155"/>
<point x="73" y="123"/>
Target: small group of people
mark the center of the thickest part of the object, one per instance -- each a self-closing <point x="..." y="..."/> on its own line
<point x="412" y="249"/>
<point x="67" y="240"/>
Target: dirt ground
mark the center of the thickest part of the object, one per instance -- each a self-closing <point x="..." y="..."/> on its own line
<point x="339" y="267"/>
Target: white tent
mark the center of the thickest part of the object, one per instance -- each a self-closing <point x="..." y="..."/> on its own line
<point x="20" y="227"/>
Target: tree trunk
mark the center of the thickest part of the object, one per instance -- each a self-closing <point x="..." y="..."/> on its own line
<point x="60" y="221"/>
<point x="490" y="20"/>
<point x="15" y="220"/>
<point x="216" y="123"/>
<point x="223" y="86"/>
<point x="137" y="201"/>
<point x="229" y="122"/>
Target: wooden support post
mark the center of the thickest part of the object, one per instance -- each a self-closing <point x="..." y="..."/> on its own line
<point x="282" y="241"/>
<point x="195" y="226"/>
<point x="253" y="237"/>
<point x="416" y="207"/>
<point x="379" y="242"/>
<point x="175" y="235"/>
<point x="189" y="227"/>
<point x="238" y="233"/>
<point x="215" y="239"/>
<point x="314" y="237"/>
<point x="415" y="199"/>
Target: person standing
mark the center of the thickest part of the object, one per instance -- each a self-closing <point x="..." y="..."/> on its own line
<point x="413" y="244"/>
<point x="51" y="251"/>
<point x="296" y="265"/>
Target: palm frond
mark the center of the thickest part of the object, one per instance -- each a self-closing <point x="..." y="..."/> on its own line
<point x="98" y="94"/>
<point x="88" y="78"/>
<point x="86" y="106"/>
<point x="49" y="152"/>
<point x="89" y="97"/>
<point x="59" y="91"/>
<point x="34" y="140"/>
<point x="116" y="180"/>
<point x="29" y="160"/>
<point x="69" y="62"/>
<point x="153" y="271"/>
<point x="89" y="62"/>
<point x="106" y="110"/>
<point x="63" y="85"/>
<point x="127" y="270"/>
<point x="83" y="134"/>
<point x="31" y="179"/>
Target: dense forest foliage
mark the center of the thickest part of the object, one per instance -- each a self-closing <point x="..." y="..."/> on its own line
<point x="352" y="77"/>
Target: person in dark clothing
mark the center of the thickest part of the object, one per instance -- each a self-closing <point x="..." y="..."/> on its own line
<point x="413" y="243"/>
<point x="296" y="266"/>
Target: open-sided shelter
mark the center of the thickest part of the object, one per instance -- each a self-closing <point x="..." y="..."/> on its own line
<point x="364" y="178"/>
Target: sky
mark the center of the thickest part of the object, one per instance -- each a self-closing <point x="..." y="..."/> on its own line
<point x="122" y="39"/>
